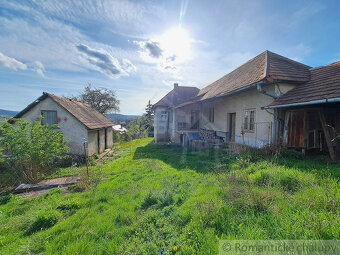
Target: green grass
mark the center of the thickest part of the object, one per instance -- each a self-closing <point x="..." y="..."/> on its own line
<point x="155" y="197"/>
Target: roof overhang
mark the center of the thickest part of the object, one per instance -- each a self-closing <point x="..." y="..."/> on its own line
<point x="319" y="101"/>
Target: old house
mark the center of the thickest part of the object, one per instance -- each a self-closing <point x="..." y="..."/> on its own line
<point x="257" y="104"/>
<point x="75" y="120"/>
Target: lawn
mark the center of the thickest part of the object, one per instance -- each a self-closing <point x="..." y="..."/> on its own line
<point x="150" y="198"/>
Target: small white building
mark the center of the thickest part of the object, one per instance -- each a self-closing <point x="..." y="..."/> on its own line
<point x="119" y="129"/>
<point x="75" y="120"/>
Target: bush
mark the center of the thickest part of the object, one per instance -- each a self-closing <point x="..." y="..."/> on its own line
<point x="149" y="200"/>
<point x="5" y="199"/>
<point x="33" y="147"/>
<point x="43" y="221"/>
<point x="286" y="180"/>
<point x="68" y="206"/>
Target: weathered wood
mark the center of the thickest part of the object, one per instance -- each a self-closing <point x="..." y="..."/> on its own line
<point x="22" y="188"/>
<point x="326" y="134"/>
<point x="285" y="128"/>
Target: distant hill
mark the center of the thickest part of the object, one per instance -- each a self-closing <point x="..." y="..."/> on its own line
<point x="7" y="113"/>
<point x="115" y="117"/>
<point x="118" y="118"/>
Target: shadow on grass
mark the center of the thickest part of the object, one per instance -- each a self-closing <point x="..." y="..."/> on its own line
<point x="319" y="165"/>
<point x="181" y="158"/>
<point x="210" y="160"/>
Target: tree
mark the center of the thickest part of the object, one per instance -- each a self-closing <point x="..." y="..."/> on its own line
<point x="149" y="111"/>
<point x="102" y="99"/>
<point x="33" y="147"/>
<point x="138" y="127"/>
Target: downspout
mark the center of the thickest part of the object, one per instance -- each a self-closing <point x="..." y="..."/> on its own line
<point x="274" y="130"/>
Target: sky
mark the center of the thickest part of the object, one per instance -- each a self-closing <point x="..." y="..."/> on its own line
<point x="140" y="48"/>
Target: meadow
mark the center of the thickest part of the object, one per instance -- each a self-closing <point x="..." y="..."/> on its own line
<point x="149" y="198"/>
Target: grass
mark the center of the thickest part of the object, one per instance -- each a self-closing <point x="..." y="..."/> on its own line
<point x="151" y="198"/>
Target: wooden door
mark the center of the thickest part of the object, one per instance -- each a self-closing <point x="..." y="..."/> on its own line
<point x="232" y="126"/>
<point x="194" y="119"/>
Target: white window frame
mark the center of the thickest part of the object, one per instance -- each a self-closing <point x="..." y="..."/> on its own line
<point x="164" y="116"/>
<point x="246" y="125"/>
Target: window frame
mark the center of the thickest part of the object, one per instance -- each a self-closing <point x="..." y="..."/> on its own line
<point x="162" y="114"/>
<point x="49" y="111"/>
<point x="246" y="124"/>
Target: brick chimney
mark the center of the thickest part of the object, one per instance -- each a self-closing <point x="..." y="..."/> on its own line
<point x="175" y="86"/>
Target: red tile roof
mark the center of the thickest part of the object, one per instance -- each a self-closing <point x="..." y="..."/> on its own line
<point x="264" y="66"/>
<point x="323" y="84"/>
<point x="88" y="116"/>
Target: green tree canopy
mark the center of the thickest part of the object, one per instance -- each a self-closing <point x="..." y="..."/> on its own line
<point x="32" y="146"/>
<point x="102" y="99"/>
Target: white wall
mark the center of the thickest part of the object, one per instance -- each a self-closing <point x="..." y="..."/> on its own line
<point x="161" y="132"/>
<point x="238" y="103"/>
<point x="72" y="129"/>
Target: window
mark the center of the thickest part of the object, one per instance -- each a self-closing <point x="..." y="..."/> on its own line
<point x="211" y="115"/>
<point x="249" y="120"/>
<point x="49" y="117"/>
<point x="164" y="115"/>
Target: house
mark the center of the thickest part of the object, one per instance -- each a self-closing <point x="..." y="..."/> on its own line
<point x="75" y="120"/>
<point x="270" y="99"/>
<point x="119" y="129"/>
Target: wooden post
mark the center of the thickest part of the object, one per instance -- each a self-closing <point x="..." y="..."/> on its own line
<point x="326" y="133"/>
<point x="87" y="164"/>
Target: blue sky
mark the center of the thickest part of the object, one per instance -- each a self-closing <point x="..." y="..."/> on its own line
<point x="140" y="48"/>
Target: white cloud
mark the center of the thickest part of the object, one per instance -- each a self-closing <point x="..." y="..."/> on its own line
<point x="106" y="63"/>
<point x="11" y="63"/>
<point x="39" y="68"/>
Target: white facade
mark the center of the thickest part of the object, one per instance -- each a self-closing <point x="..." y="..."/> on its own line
<point x="262" y="134"/>
<point x="73" y="130"/>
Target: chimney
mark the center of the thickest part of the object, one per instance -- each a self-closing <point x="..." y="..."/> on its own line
<point x="175" y="86"/>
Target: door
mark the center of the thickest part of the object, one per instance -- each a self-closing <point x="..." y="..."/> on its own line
<point x="105" y="138"/>
<point x="232" y="126"/>
<point x="98" y="141"/>
<point x="194" y="120"/>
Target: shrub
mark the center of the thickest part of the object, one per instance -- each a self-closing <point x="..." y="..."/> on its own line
<point x="149" y="200"/>
<point x="43" y="221"/>
<point x="68" y="206"/>
<point x="166" y="198"/>
<point x="33" y="147"/>
<point x="288" y="180"/>
<point x="78" y="187"/>
<point x="5" y="199"/>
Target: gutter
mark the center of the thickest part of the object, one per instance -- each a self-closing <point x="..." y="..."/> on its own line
<point x="320" y="101"/>
<point x="259" y="89"/>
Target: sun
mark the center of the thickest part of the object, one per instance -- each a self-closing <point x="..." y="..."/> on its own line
<point x="176" y="43"/>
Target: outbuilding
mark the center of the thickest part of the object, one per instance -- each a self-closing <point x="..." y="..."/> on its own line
<point x="75" y="120"/>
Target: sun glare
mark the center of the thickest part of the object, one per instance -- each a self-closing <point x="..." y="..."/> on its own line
<point x="176" y="43"/>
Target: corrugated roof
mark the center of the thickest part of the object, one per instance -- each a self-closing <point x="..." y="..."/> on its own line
<point x="177" y="96"/>
<point x="323" y="84"/>
<point x="88" y="116"/>
<point x="264" y="66"/>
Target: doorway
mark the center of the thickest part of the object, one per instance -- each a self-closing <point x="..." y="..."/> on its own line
<point x="194" y="120"/>
<point x="232" y="126"/>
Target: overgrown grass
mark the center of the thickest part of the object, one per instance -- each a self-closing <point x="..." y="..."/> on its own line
<point x="152" y="198"/>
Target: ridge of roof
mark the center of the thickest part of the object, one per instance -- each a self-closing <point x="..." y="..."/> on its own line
<point x="263" y="66"/>
<point x="168" y="99"/>
<point x="324" y="84"/>
<point x="84" y="113"/>
<point x="325" y="66"/>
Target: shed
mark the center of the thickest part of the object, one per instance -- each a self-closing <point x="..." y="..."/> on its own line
<point x="75" y="120"/>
